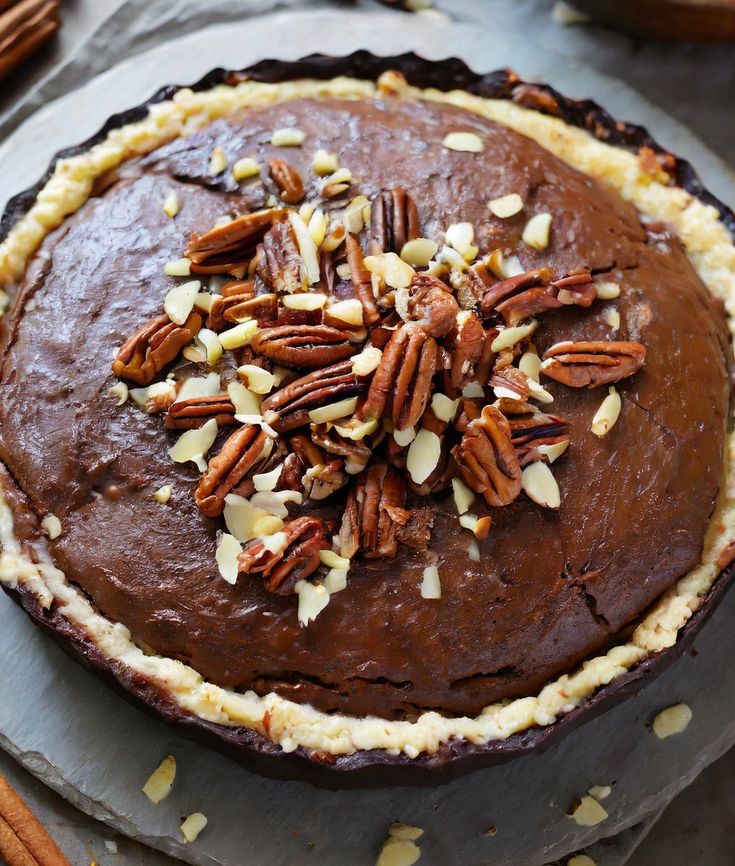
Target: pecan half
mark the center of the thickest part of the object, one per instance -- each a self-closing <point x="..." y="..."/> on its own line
<point x="241" y="453"/>
<point x="228" y="247"/>
<point x="361" y="280"/>
<point x="188" y="414"/>
<point x="141" y="358"/>
<point x="373" y="513"/>
<point x="394" y="219"/>
<point x="529" y="429"/>
<point x="432" y="305"/>
<point x="233" y="293"/>
<point x="487" y="459"/>
<point x="402" y="381"/>
<point x="263" y="308"/>
<point x="304" y="345"/>
<point x="280" y="265"/>
<point x="585" y="364"/>
<point x="299" y="557"/>
<point x="526" y="295"/>
<point x="289" y="407"/>
<point x="323" y="475"/>
<point x="288" y="180"/>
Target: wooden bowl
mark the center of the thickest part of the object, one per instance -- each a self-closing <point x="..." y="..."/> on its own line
<point x="679" y="20"/>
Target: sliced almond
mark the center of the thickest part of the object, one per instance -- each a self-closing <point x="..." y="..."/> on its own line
<point x="606" y="291"/>
<point x="212" y="346"/>
<point x="240" y="335"/>
<point x="530" y="364"/>
<point x="245" y="168"/>
<point x="392" y="269"/>
<point x="194" y="444"/>
<point x="460" y="237"/>
<point x="419" y="252"/>
<point x="365" y="362"/>
<point x="348" y="312"/>
<point x="540" y="485"/>
<point x="269" y="525"/>
<point x="317" y="225"/>
<point x="538" y="392"/>
<point x="226" y="555"/>
<point x="313" y="598"/>
<point x="156" y="397"/>
<point x="672" y="720"/>
<point x="537" y="232"/>
<point x="203" y="301"/>
<point x="336" y="183"/>
<point x="607" y="414"/>
<point x="333" y="411"/>
<point x="473" y="549"/>
<point x="193" y="826"/>
<point x="324" y="163"/>
<point x="506" y="206"/>
<point x="288" y="137"/>
<point x="258" y="379"/>
<point x="423" y="455"/>
<point x="431" y="585"/>
<point x="268" y="480"/>
<point x="163" y="494"/>
<point x="468" y="142"/>
<point x="504" y="267"/>
<point x="336" y="235"/>
<point x="354" y="214"/>
<point x="356" y="429"/>
<point x="333" y="560"/>
<point x="335" y="580"/>
<point x="508" y="337"/>
<point x="179" y="301"/>
<point x="51" y="525"/>
<point x="308" y="301"/>
<point x="178" y="268"/>
<point x="171" y="205"/>
<point x="444" y="408"/>
<point x="404" y="437"/>
<point x="600" y="792"/>
<point x="472" y="390"/>
<point x="553" y="452"/>
<point x="588" y="812"/>
<point x="463" y="496"/>
<point x="612" y="317"/>
<point x="245" y="401"/>
<point x="218" y="161"/>
<point x="161" y="780"/>
<point x="120" y="392"/>
<point x="241" y="516"/>
<point x="199" y="386"/>
<point x="307" y="247"/>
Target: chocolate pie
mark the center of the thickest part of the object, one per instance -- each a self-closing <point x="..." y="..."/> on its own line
<point x="368" y="418"/>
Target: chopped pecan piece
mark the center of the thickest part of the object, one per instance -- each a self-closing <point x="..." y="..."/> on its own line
<point x="590" y="364"/>
<point x="512" y="379"/>
<point x="487" y="459"/>
<point x="416" y="532"/>
<point x="247" y="447"/>
<point x="291" y="404"/>
<point x="373" y="513"/>
<point x="304" y="345"/>
<point x="432" y="305"/>
<point x="465" y="343"/>
<point x="142" y="357"/>
<point x="188" y="414"/>
<point x="288" y="181"/>
<point x="471" y="285"/>
<point x="355" y="453"/>
<point x="228" y="247"/>
<point x="263" y="308"/>
<point x="324" y="475"/>
<point x="394" y="220"/>
<point x="361" y="280"/>
<point x="299" y="557"/>
<point x="531" y="428"/>
<point x="526" y="295"/>
<point x="402" y="380"/>
<point x="280" y="265"/>
<point x="233" y="293"/>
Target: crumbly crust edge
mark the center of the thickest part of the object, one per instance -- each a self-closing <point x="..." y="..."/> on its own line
<point x="286" y="723"/>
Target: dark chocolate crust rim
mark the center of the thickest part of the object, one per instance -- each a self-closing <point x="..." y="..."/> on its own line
<point x="374" y="768"/>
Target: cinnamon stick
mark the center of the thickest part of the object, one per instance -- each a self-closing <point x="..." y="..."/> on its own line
<point x="23" y="839"/>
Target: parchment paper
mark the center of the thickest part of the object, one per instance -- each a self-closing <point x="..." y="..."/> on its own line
<point x="87" y="743"/>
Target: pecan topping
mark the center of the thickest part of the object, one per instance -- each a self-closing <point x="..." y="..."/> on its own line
<point x="512" y="379"/>
<point x="590" y="364"/>
<point x="528" y="294"/>
<point x="288" y="181"/>
<point x="323" y="475"/>
<point x="292" y="403"/>
<point x="394" y="220"/>
<point x="279" y="262"/>
<point x="402" y="380"/>
<point x="361" y="280"/>
<point x="304" y="345"/>
<point x="373" y="514"/>
<point x="233" y="293"/>
<point x="487" y="460"/>
<point x="465" y="343"/>
<point x="229" y="247"/>
<point x="432" y="305"/>
<point x="240" y="454"/>
<point x="530" y="428"/>
<point x="355" y="454"/>
<point x="471" y="285"/>
<point x="142" y="357"/>
<point x="299" y="557"/>
<point x="187" y="414"/>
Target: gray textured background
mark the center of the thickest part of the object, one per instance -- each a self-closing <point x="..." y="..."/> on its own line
<point x="694" y="84"/>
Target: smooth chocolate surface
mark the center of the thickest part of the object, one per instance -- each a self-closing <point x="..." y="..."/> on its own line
<point x="550" y="588"/>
